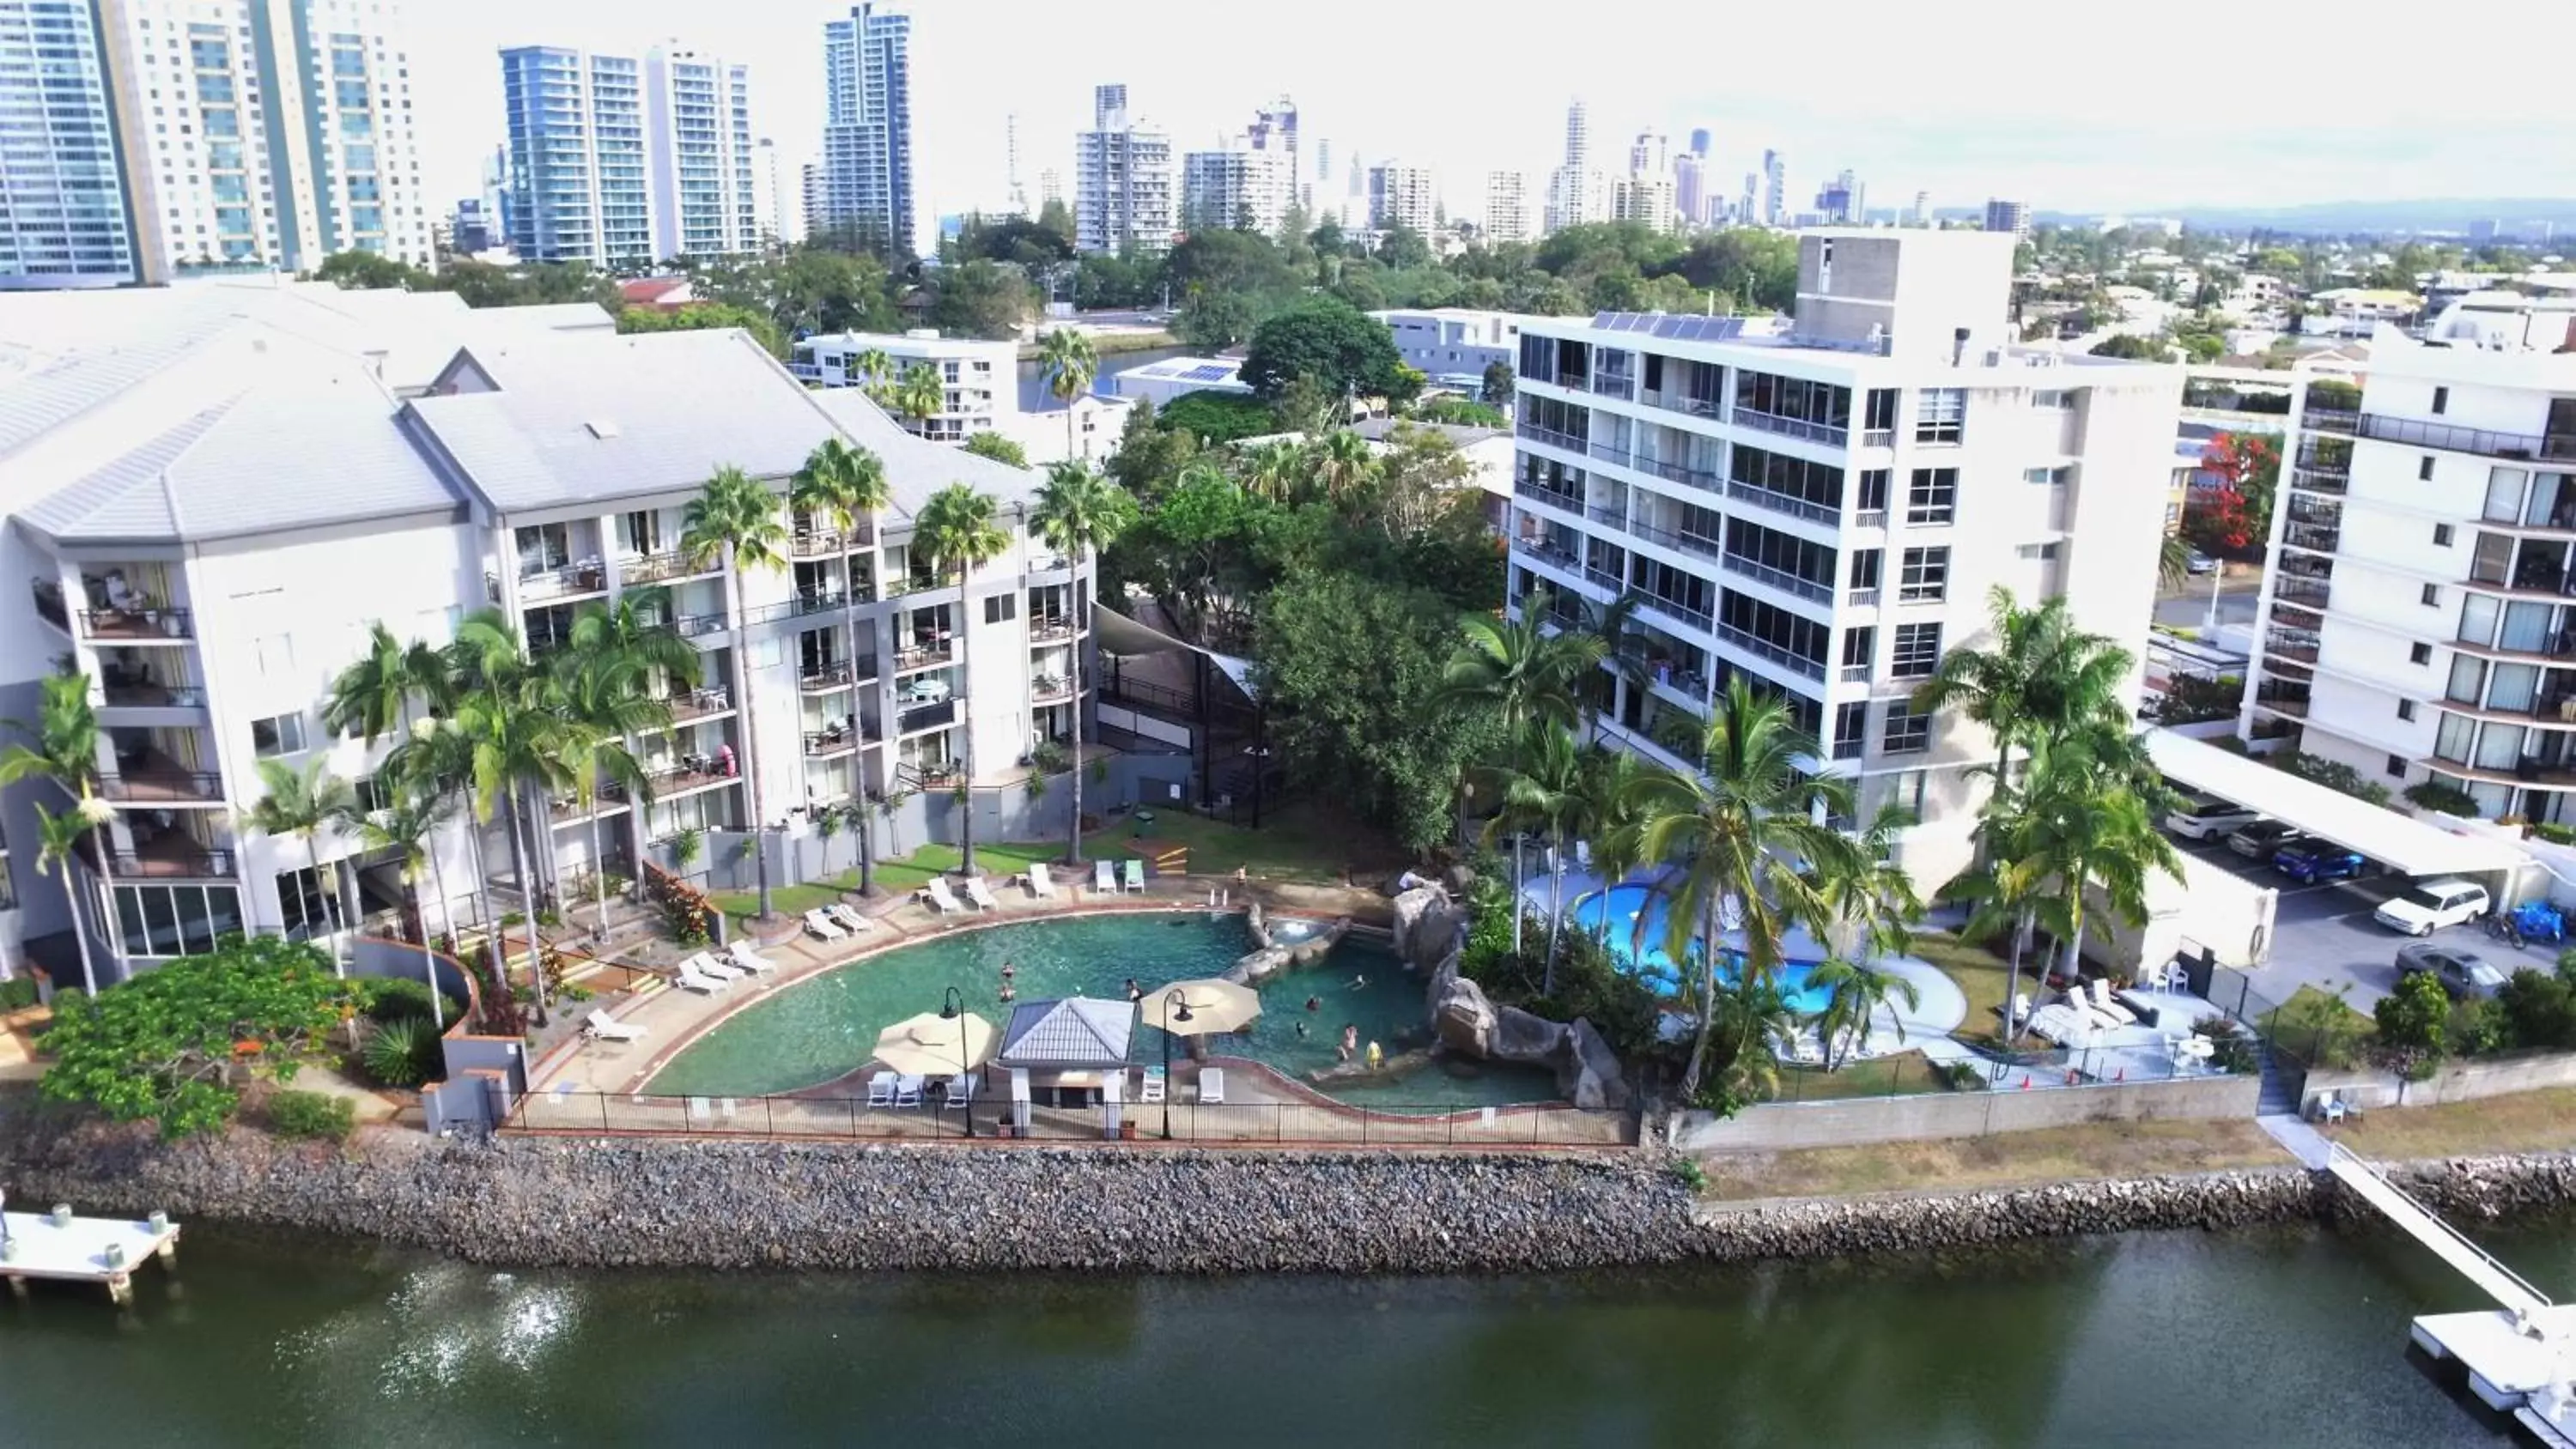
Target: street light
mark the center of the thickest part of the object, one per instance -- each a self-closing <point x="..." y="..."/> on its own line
<point x="952" y="1007"/>
<point x="1260" y="766"/>
<point x="1179" y="1004"/>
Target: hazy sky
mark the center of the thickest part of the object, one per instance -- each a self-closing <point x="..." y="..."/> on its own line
<point x="2071" y="107"/>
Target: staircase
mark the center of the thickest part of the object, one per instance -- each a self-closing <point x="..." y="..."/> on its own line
<point x="2283" y="1081"/>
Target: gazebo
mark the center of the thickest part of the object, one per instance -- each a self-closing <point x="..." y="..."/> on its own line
<point x="1069" y="1048"/>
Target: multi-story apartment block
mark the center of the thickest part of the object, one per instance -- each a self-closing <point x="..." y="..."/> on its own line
<point x="64" y="214"/>
<point x="1405" y="196"/>
<point x="2011" y="216"/>
<point x="1822" y="503"/>
<point x="705" y="173"/>
<point x="1648" y="199"/>
<point x="1507" y="208"/>
<point x="867" y="125"/>
<point x="1274" y="131"/>
<point x="778" y="195"/>
<point x="1775" y="189"/>
<point x="1453" y="345"/>
<point x="1123" y="191"/>
<point x="207" y="528"/>
<point x="580" y="187"/>
<point x="978" y="378"/>
<point x="2419" y="620"/>
<point x="264" y="135"/>
<point x="1236" y="187"/>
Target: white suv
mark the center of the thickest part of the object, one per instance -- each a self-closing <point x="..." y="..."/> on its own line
<point x="2430" y="905"/>
<point x="2198" y="817"/>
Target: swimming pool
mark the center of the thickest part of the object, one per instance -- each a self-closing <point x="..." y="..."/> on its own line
<point x="1624" y="904"/>
<point x="823" y="1028"/>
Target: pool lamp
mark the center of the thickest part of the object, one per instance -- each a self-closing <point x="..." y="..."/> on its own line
<point x="952" y="1007"/>
<point x="1179" y="1002"/>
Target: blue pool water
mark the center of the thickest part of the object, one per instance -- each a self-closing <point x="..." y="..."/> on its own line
<point x="1653" y="963"/>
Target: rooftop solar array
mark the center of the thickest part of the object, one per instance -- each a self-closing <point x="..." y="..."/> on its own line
<point x="1208" y="372"/>
<point x="1681" y="327"/>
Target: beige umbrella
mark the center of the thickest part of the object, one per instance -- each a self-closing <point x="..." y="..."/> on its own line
<point x="1213" y="1007"/>
<point x="931" y="1044"/>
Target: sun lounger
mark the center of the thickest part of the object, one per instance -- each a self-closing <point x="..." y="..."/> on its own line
<point x="1212" y="1085"/>
<point x="2102" y="1003"/>
<point x="710" y="964"/>
<point x="940" y="895"/>
<point x="849" y="916"/>
<point x="981" y="894"/>
<point x="881" y="1090"/>
<point x="960" y="1090"/>
<point x="741" y="955"/>
<point x="2020" y="1009"/>
<point x="823" y="927"/>
<point x="693" y="979"/>
<point x="1041" y="884"/>
<point x="2061" y="1024"/>
<point x="907" y="1091"/>
<point x="1155" y="1085"/>
<point x="1104" y="877"/>
<point x="603" y="1027"/>
<point x="1132" y="874"/>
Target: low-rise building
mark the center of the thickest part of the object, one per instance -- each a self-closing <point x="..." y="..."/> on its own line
<point x="1173" y="377"/>
<point x="1453" y="345"/>
<point x="978" y="379"/>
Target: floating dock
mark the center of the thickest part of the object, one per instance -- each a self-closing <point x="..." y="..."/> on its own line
<point x="105" y="1251"/>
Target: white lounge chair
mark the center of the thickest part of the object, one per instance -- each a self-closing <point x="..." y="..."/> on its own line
<point x="823" y="927"/>
<point x="693" y="979"/>
<point x="711" y="964"/>
<point x="603" y="1027"/>
<point x="941" y="897"/>
<point x="849" y="916"/>
<point x="1212" y="1085"/>
<point x="1041" y="884"/>
<point x="881" y="1090"/>
<point x="1132" y="874"/>
<point x="907" y="1091"/>
<point x="960" y="1090"/>
<point x="2061" y="1024"/>
<point x="1104" y="877"/>
<point x="1155" y="1085"/>
<point x="981" y="894"/>
<point x="2102" y="1002"/>
<point x="749" y="960"/>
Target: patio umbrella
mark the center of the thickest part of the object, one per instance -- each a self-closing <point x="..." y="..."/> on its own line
<point x="931" y="1044"/>
<point x="1215" y="1007"/>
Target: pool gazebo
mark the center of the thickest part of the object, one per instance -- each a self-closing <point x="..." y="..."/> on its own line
<point x="1067" y="1049"/>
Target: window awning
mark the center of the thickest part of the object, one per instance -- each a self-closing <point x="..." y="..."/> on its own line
<point x="2399" y="841"/>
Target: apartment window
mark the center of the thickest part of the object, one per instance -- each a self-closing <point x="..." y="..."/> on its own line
<point x="2441" y="401"/>
<point x="1858" y="645"/>
<point x="2396" y="767"/>
<point x="2052" y="398"/>
<point x="1851" y="731"/>
<point x="1933" y="498"/>
<point x="2406" y="709"/>
<point x="306" y="909"/>
<point x="1001" y="608"/>
<point x="1926" y="577"/>
<point x="1873" y="489"/>
<point x="176" y="920"/>
<point x="1881" y="417"/>
<point x="1908" y="792"/>
<point x="2419" y="654"/>
<point x="1907" y="732"/>
<point x="1941" y="415"/>
<point x="2424" y="468"/>
<point x="2037" y="552"/>
<point x="2441" y="535"/>
<point x="2432" y="596"/>
<point x="277" y="735"/>
<point x="1918" y="651"/>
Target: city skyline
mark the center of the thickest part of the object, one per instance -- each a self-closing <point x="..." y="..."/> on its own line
<point x="1927" y="107"/>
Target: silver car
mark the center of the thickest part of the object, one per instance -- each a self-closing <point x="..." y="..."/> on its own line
<point x="2463" y="974"/>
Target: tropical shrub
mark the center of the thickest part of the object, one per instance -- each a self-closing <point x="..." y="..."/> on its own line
<point x="688" y="916"/>
<point x="2333" y="774"/>
<point x="2553" y="832"/>
<point x="2539" y="1010"/>
<point x="17" y="993"/>
<point x="2231" y="1050"/>
<point x="2448" y="799"/>
<point x="396" y="998"/>
<point x="405" y="1053"/>
<point x="2414" y="1024"/>
<point x="311" y="1115"/>
<point x="2478" y="1027"/>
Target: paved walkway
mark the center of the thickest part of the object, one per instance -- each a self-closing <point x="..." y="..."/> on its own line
<point x="2306" y="1143"/>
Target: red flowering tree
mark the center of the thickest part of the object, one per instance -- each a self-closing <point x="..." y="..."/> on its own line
<point x="2235" y="517"/>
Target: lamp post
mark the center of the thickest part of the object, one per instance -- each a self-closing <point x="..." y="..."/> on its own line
<point x="952" y="1007"/>
<point x="1178" y="1010"/>
<point x="1260" y="766"/>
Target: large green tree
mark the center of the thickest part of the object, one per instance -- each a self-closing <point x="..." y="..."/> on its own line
<point x="1078" y="513"/>
<point x="62" y="744"/>
<point x="1332" y="342"/>
<point x="2039" y="676"/>
<point x="1069" y="363"/>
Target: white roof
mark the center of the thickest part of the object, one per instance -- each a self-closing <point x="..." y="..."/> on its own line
<point x="2401" y="841"/>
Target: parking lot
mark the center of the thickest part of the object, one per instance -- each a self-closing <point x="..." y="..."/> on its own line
<point x="2323" y="935"/>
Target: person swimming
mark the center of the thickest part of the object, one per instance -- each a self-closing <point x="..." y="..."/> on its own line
<point x="1009" y="992"/>
<point x="1009" y="971"/>
<point x="1350" y="1043"/>
<point x="1314" y="1003"/>
<point x="1359" y="983"/>
<point x="1134" y="991"/>
<point x="1301" y="1031"/>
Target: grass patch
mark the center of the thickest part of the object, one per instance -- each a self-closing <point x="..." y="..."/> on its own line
<point x="1981" y="977"/>
<point x="2058" y="1154"/>
<point x="2518" y="1122"/>
<point x="1888" y="1076"/>
<point x="787" y="900"/>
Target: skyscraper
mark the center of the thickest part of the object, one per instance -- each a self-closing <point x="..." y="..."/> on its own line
<point x="1234" y="186"/>
<point x="64" y="219"/>
<point x="1922" y="215"/>
<point x="1840" y="202"/>
<point x="305" y="112"/>
<point x="1507" y="210"/>
<point x="1699" y="142"/>
<point x="1775" y="189"/>
<point x="579" y="171"/>
<point x="778" y="194"/>
<point x="1690" y="187"/>
<point x="1401" y="195"/>
<point x="1274" y="129"/>
<point x="2011" y="216"/>
<point x="1016" y="194"/>
<point x="1123" y="192"/>
<point x="705" y="188"/>
<point x="867" y="124"/>
<point x="1576" y="193"/>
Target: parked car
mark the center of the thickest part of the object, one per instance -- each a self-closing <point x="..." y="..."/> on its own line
<point x="2196" y="563"/>
<point x="2462" y="973"/>
<point x="2431" y="905"/>
<point x="2311" y="861"/>
<point x="2198" y="817"/>
<point x="2260" y="840"/>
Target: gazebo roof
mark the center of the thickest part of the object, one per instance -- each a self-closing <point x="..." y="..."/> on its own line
<point x="1076" y="1031"/>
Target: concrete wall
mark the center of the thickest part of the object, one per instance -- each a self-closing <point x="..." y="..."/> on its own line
<point x="2451" y="1082"/>
<point x="1935" y="1115"/>
<point x="400" y="960"/>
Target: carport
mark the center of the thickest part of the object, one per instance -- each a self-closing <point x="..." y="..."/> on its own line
<point x="2402" y="843"/>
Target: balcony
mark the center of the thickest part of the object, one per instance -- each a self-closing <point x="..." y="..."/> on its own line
<point x="688" y="772"/>
<point x="1787" y="427"/>
<point x="115" y="691"/>
<point x="918" y="582"/>
<point x="1605" y="581"/>
<point x="2317" y="538"/>
<point x="1671" y="472"/>
<point x="157" y="781"/>
<point x="928" y="655"/>
<point x="1699" y="544"/>
<point x="2331" y="420"/>
<point x="1682" y="402"/>
<point x="2297" y="644"/>
<point x="690" y="706"/>
<point x="833" y="542"/>
<point x="1615" y="384"/>
<point x="1783" y="503"/>
<point x="1781" y="579"/>
<point x="1554" y="439"/>
<point x="1548" y="552"/>
<point x="831" y="676"/>
<point x="1764" y="649"/>
<point x="170" y="855"/>
<point x="137" y="626"/>
<point x="2332" y="459"/>
<point x="798" y="606"/>
<point x="1683" y="613"/>
<point x="2481" y="441"/>
<point x="922" y="717"/>
<point x="841" y="739"/>
<point x="590" y="576"/>
<point x="1050" y="689"/>
<point x="1048" y="628"/>
<point x="1861" y="598"/>
<point x="1855" y="674"/>
<point x="608" y="799"/>
<point x="2312" y="591"/>
<point x="1570" y="502"/>
<point x="2312" y="481"/>
<point x="49" y="604"/>
<point x="662" y="568"/>
<point x="698" y="626"/>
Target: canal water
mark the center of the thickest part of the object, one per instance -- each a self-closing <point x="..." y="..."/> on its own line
<point x="2280" y="1338"/>
<point x="1034" y="397"/>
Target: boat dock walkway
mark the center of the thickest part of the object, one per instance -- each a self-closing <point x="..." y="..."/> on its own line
<point x="105" y="1251"/>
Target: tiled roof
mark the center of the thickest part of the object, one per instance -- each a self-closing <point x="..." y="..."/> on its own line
<point x="1074" y="1032"/>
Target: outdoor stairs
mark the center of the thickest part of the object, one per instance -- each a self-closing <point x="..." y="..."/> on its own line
<point x="2280" y="1096"/>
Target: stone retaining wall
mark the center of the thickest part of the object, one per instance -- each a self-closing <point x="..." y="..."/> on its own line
<point x="641" y="1203"/>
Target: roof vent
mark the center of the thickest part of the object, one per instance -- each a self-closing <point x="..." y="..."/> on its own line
<point x="601" y="428"/>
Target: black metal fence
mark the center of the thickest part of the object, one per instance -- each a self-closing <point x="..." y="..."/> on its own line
<point x="573" y="1113"/>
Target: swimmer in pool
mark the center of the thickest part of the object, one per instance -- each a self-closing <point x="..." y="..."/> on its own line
<point x="1358" y="982"/>
<point x="1314" y="1003"/>
<point x="1301" y="1031"/>
<point x="1134" y="991"/>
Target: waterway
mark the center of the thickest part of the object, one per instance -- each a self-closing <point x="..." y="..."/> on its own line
<point x="2284" y="1338"/>
<point x="1034" y="397"/>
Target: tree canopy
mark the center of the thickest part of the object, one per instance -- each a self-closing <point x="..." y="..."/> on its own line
<point x="1333" y="343"/>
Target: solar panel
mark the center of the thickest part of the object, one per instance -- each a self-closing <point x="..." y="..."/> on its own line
<point x="1207" y="372"/>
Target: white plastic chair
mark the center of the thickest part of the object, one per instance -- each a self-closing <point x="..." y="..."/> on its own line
<point x="1041" y="884"/>
<point x="604" y="1027"/>
<point x="881" y="1090"/>
<point x="981" y="894"/>
<point x="848" y="915"/>
<point x="960" y="1090"/>
<point x="822" y="926"/>
<point x="1104" y="876"/>
<point x="741" y="955"/>
<point x="907" y="1091"/>
<point x="941" y="896"/>
<point x="1154" y="1085"/>
<point x="710" y="964"/>
<point x="1212" y="1085"/>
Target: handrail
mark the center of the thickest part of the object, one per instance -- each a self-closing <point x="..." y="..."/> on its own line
<point x="2337" y="1153"/>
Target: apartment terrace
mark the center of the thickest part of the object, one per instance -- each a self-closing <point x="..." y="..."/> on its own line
<point x="830" y="676"/>
<point x="832" y="542"/>
<point x="2483" y="442"/>
<point x="667" y="567"/>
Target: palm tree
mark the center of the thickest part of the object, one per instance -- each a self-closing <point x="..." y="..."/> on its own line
<point x="1272" y="470"/>
<point x="1755" y="1024"/>
<point x="512" y="737"/>
<point x="1523" y="673"/>
<point x="872" y="367"/>
<point x="409" y="829"/>
<point x="2173" y="561"/>
<point x="1604" y="813"/>
<point x="633" y="642"/>
<point x="1078" y="513"/>
<point x="65" y="731"/>
<point x="846" y="487"/>
<point x="1343" y="464"/>
<point x="1622" y="654"/>
<point x="957" y="529"/>
<point x="303" y="803"/>
<point x="58" y="842"/>
<point x="1747" y="837"/>
<point x="436" y="760"/>
<point x="601" y="695"/>
<point x="917" y="395"/>
<point x="735" y="523"/>
<point x="374" y="696"/>
<point x="2042" y="676"/>
<point x="2092" y="832"/>
<point x="1854" y="990"/>
<point x="1067" y="359"/>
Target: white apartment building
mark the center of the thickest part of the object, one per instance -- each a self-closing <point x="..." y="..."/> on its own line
<point x="778" y="195"/>
<point x="1649" y="199"/>
<point x="1405" y="196"/>
<point x="267" y="136"/>
<point x="1453" y="345"/>
<point x="1822" y="502"/>
<point x="978" y="378"/>
<point x="621" y="163"/>
<point x="207" y="527"/>
<point x="1124" y="194"/>
<point x="1236" y="187"/>
<point x="1507" y="208"/>
<point x="2419" y="621"/>
<point x="706" y="178"/>
<point x="64" y="217"/>
<point x="865" y="175"/>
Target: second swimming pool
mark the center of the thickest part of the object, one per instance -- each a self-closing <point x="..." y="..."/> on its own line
<point x="1626" y="905"/>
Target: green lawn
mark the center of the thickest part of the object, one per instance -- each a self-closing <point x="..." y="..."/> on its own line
<point x="1980" y="974"/>
<point x="787" y="900"/>
<point x="1888" y="1076"/>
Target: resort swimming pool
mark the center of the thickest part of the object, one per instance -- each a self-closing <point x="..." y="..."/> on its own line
<point x="823" y="1028"/>
<point x="1626" y="903"/>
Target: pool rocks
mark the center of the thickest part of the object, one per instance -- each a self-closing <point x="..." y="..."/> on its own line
<point x="1428" y="927"/>
<point x="1856" y="1227"/>
<point x="1267" y="959"/>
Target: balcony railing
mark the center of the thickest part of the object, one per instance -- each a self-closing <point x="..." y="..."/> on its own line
<point x="1681" y="402"/>
<point x="1540" y="548"/>
<point x="1610" y="516"/>
<point x="654" y="568"/>
<point x="1044" y="629"/>
<point x="2329" y="458"/>
<point x="151" y="696"/>
<point x="690" y="705"/>
<point x="1825" y="433"/>
<point x="1783" y="503"/>
<point x="1870" y="518"/>
<point x="925" y="656"/>
<point x="1570" y="502"/>
<point x="1861" y="598"/>
<point x="1047" y="688"/>
<point x="1684" y="613"/>
<point x="151" y="786"/>
<point x="1878" y="438"/>
<point x="798" y="606"/>
<point x="832" y="542"/>
<point x="1780" y="579"/>
<point x="608" y="799"/>
<point x="160" y="861"/>
<point x="839" y="740"/>
<point x="689" y="772"/>
<point x="927" y="583"/>
<point x="137" y="624"/>
<point x="2480" y="441"/>
<point x="1671" y="472"/>
<point x="1855" y="674"/>
<point x="2332" y="420"/>
<point x="693" y="626"/>
<point x="1616" y="384"/>
<point x="2321" y="539"/>
<point x="49" y="604"/>
<point x="589" y="577"/>
<point x="2313" y="481"/>
<point x="1550" y="436"/>
<point x="2304" y="590"/>
<point x="927" y="717"/>
<point x="1671" y="538"/>
<point x="1763" y="648"/>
